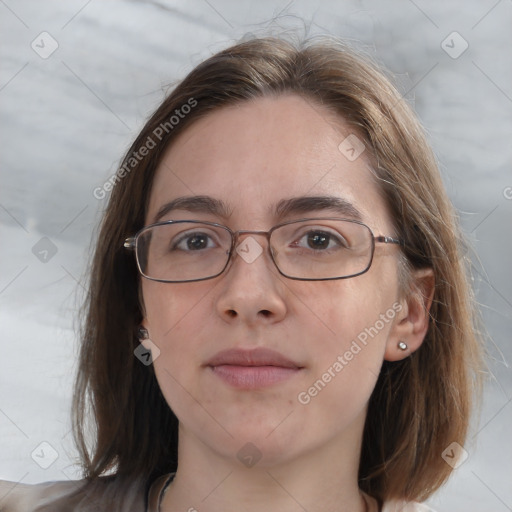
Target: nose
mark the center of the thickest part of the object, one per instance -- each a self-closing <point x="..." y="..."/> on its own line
<point x="251" y="289"/>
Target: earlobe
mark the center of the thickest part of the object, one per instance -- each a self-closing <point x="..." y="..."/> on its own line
<point x="143" y="335"/>
<point x="411" y="325"/>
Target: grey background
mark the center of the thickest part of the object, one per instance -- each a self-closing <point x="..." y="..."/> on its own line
<point x="66" y="120"/>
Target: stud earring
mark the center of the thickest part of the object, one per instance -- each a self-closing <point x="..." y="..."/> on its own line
<point x="143" y="333"/>
<point x="402" y="345"/>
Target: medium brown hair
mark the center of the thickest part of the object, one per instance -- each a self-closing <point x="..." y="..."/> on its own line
<point x="419" y="405"/>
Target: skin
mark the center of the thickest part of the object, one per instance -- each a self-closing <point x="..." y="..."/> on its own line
<point x="251" y="156"/>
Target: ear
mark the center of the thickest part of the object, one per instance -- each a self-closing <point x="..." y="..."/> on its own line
<point x="411" y="323"/>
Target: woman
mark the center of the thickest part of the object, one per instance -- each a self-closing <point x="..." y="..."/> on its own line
<point x="279" y="316"/>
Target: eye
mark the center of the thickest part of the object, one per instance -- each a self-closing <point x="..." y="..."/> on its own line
<point x="193" y="242"/>
<point x="320" y="240"/>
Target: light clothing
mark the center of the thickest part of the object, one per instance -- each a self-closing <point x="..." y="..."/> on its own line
<point x="109" y="494"/>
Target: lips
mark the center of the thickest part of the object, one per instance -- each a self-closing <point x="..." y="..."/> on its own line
<point x="254" y="357"/>
<point x="252" y="369"/>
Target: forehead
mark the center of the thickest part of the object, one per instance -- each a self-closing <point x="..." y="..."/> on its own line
<point x="254" y="154"/>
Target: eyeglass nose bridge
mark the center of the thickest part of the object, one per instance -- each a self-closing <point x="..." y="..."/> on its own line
<point x="251" y="253"/>
<point x="236" y="234"/>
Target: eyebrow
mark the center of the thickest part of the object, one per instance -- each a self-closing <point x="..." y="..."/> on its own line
<point x="284" y="208"/>
<point x="197" y="204"/>
<point x="308" y="204"/>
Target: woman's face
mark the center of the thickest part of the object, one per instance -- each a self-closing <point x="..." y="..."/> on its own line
<point x="332" y="335"/>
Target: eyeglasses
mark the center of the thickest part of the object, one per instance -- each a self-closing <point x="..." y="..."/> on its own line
<point x="179" y="251"/>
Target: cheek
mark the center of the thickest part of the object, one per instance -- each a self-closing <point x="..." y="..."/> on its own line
<point x="349" y="347"/>
<point x="177" y="317"/>
<point x="171" y="307"/>
<point x="348" y="358"/>
<point x="347" y="309"/>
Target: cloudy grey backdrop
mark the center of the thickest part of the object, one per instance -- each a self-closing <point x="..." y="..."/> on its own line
<point x="77" y="80"/>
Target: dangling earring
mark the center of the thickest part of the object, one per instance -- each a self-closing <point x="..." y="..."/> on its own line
<point x="143" y="333"/>
<point x="402" y="345"/>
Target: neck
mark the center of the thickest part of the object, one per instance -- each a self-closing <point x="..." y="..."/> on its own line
<point x="321" y="479"/>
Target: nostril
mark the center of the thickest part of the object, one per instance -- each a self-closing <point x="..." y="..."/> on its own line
<point x="232" y="313"/>
<point x="266" y="313"/>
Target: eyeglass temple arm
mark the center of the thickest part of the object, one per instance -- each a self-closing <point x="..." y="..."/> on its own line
<point x="388" y="240"/>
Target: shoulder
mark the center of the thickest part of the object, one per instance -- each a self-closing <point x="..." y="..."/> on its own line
<point x="103" y="494"/>
<point x="401" y="506"/>
<point x="396" y="506"/>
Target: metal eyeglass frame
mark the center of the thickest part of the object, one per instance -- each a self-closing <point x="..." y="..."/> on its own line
<point x="130" y="243"/>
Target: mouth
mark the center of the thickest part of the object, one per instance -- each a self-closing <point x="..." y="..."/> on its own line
<point x="252" y="369"/>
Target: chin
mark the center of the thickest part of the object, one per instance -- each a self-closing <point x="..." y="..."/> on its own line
<point x="267" y="440"/>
